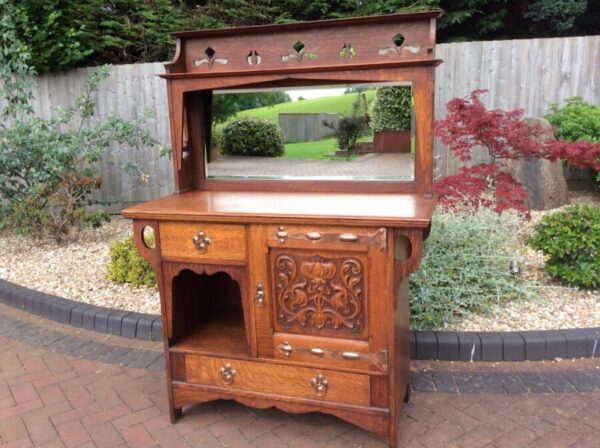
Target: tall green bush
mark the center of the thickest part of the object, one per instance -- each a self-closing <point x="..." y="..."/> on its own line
<point x="392" y="110"/>
<point x="571" y="239"/>
<point x="249" y="136"/>
<point x="465" y="267"/>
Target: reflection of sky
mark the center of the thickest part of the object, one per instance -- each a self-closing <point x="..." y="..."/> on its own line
<point x="309" y="94"/>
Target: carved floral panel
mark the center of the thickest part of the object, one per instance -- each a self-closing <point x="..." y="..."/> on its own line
<point x="319" y="295"/>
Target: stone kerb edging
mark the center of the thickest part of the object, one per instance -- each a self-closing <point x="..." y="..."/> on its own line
<point x="424" y="345"/>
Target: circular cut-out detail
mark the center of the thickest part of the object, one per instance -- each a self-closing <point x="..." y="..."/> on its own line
<point x="148" y="237"/>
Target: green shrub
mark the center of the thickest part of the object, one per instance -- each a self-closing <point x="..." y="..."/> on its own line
<point x="577" y="120"/>
<point x="465" y="267"/>
<point x="571" y="238"/>
<point x="126" y="265"/>
<point x="392" y="109"/>
<point x="250" y="136"/>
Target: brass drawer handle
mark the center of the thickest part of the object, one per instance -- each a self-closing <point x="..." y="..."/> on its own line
<point x="317" y="351"/>
<point x="348" y="237"/>
<point x="201" y="242"/>
<point x="350" y="355"/>
<point x="313" y="236"/>
<point x="319" y="385"/>
<point x="227" y="374"/>
<point x="259" y="296"/>
<point x="286" y="348"/>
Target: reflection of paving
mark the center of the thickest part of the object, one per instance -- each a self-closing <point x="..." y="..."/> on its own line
<point x="60" y="386"/>
<point x="391" y="166"/>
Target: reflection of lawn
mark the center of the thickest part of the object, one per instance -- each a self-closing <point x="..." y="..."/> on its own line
<point x="319" y="149"/>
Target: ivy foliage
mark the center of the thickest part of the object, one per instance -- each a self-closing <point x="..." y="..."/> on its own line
<point x="571" y="239"/>
<point x="249" y="136"/>
<point x="465" y="267"/>
<point x="126" y="265"/>
<point x="392" y="109"/>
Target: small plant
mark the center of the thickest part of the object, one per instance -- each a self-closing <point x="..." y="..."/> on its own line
<point x="465" y="267"/>
<point x="571" y="238"/>
<point x="392" y="110"/>
<point x="350" y="129"/>
<point x="577" y="124"/>
<point x="127" y="266"/>
<point x="250" y="136"/>
<point x="576" y="120"/>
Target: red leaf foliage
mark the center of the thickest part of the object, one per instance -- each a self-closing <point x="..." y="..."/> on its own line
<point x="504" y="134"/>
<point x="581" y="154"/>
<point x="483" y="185"/>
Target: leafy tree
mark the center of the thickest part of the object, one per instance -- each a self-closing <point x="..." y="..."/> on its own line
<point x="49" y="167"/>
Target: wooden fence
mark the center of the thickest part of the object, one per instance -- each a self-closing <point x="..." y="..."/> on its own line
<point x="528" y="74"/>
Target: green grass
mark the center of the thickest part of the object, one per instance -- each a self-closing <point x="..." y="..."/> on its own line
<point x="341" y="104"/>
<point x="310" y="150"/>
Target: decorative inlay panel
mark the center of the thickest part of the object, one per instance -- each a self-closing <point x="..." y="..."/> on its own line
<point x="315" y="294"/>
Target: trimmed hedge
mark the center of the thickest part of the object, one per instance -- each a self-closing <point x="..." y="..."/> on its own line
<point x="392" y="110"/>
<point x="250" y="136"/>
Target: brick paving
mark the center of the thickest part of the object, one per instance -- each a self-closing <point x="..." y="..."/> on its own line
<point x="64" y="387"/>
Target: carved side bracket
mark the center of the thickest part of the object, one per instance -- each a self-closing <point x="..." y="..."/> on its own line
<point x="408" y="247"/>
<point x="151" y="255"/>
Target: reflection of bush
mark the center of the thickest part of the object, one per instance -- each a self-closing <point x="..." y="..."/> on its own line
<point x="349" y="129"/>
<point x="392" y="110"/>
<point x="250" y="136"/>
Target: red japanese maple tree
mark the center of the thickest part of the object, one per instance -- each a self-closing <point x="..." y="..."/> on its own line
<point x="469" y="127"/>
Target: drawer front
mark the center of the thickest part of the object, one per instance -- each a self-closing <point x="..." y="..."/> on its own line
<point x="329" y="352"/>
<point x="335" y="238"/>
<point x="200" y="242"/>
<point x="297" y="382"/>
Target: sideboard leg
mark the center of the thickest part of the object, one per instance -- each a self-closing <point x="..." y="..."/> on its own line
<point x="174" y="414"/>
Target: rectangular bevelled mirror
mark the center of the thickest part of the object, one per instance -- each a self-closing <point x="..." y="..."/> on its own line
<point x="357" y="132"/>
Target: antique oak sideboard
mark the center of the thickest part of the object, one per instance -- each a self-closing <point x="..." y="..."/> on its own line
<point x="283" y="291"/>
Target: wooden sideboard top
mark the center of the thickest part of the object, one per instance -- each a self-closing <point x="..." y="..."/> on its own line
<point x="392" y="210"/>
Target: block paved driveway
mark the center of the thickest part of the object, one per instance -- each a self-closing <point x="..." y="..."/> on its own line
<point x="60" y="386"/>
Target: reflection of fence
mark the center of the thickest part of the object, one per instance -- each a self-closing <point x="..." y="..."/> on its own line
<point x="306" y="127"/>
<point x="519" y="73"/>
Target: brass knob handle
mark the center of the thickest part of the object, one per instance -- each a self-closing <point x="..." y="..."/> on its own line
<point x="259" y="296"/>
<point x="227" y="373"/>
<point x="201" y="242"/>
<point x="319" y="385"/>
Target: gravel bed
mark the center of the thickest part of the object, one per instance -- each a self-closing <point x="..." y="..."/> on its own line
<point x="555" y="306"/>
<point x="75" y="271"/>
<point x="78" y="271"/>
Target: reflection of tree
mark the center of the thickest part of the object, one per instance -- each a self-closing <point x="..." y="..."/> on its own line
<point x="349" y="129"/>
<point x="227" y="105"/>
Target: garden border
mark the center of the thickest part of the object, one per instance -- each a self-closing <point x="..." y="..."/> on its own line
<point x="424" y="345"/>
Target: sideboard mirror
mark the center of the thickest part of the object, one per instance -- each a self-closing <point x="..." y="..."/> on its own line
<point x="340" y="132"/>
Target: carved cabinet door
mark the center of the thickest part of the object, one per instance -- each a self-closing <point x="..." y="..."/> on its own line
<point x="328" y="289"/>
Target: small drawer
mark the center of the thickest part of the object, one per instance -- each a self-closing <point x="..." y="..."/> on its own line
<point x="191" y="241"/>
<point x="275" y="379"/>
<point x="336" y="238"/>
<point x="329" y="352"/>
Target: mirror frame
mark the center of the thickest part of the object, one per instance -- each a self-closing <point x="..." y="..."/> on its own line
<point x="219" y="59"/>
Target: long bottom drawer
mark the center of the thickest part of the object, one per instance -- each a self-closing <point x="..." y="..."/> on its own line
<point x="298" y="382"/>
